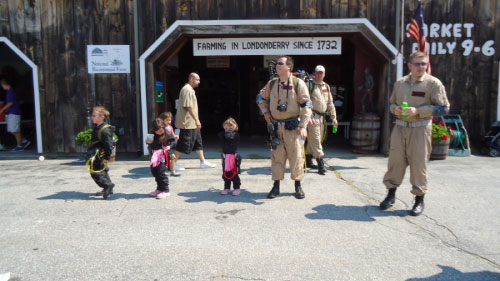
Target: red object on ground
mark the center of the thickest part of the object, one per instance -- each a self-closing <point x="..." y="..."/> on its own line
<point x="2" y="116"/>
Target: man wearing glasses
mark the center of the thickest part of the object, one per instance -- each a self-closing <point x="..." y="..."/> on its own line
<point x="286" y="106"/>
<point x="411" y="136"/>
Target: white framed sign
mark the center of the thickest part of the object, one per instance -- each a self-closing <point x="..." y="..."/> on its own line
<point x="267" y="46"/>
<point x="108" y="58"/>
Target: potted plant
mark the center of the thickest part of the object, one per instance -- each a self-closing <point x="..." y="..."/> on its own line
<point x="441" y="137"/>
<point x="83" y="138"/>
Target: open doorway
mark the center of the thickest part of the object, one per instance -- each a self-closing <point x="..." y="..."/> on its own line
<point x="171" y="57"/>
<point x="229" y="85"/>
<point x="20" y="75"/>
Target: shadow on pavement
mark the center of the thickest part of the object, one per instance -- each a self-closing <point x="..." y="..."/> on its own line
<point x="213" y="195"/>
<point x="346" y="168"/>
<point x="137" y="173"/>
<point x="258" y="171"/>
<point x="352" y="213"/>
<point x="76" y="162"/>
<point x="450" y="273"/>
<point x="76" y="195"/>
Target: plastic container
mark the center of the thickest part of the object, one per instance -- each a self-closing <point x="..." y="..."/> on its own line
<point x="404" y="105"/>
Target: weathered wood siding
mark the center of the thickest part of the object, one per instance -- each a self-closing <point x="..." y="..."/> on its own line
<point x="55" y="33"/>
<point x="471" y="81"/>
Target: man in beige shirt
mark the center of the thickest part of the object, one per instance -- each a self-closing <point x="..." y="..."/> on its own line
<point x="322" y="102"/>
<point x="412" y="135"/>
<point x="188" y="122"/>
<point x="286" y="105"/>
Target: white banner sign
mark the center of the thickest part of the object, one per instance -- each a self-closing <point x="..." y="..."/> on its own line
<point x="108" y="58"/>
<point x="267" y="46"/>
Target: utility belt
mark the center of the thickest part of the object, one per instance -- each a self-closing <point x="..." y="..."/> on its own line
<point x="95" y="163"/>
<point x="413" y="124"/>
<point x="319" y="113"/>
<point x="290" y="123"/>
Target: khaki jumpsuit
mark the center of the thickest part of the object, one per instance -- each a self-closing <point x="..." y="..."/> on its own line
<point x="322" y="102"/>
<point x="289" y="147"/>
<point x="411" y="138"/>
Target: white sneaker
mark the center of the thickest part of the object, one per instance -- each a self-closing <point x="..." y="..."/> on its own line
<point x="206" y="164"/>
<point x="2" y="148"/>
<point x="162" y="195"/>
<point x="178" y="168"/>
<point x="5" y="276"/>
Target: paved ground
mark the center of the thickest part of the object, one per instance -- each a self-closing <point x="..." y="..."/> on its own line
<point x="52" y="228"/>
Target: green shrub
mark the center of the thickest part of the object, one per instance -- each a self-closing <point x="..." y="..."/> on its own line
<point x="85" y="137"/>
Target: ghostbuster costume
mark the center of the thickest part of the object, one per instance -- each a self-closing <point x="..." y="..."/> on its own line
<point x="411" y="138"/>
<point x="289" y="104"/>
<point x="231" y="160"/>
<point x="160" y="163"/>
<point x="99" y="154"/>
<point x="322" y="102"/>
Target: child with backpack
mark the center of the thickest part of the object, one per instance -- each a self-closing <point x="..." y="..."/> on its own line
<point x="100" y="151"/>
<point x="159" y="159"/>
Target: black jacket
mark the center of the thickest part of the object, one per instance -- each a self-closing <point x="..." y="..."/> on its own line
<point x="230" y="141"/>
<point x="106" y="142"/>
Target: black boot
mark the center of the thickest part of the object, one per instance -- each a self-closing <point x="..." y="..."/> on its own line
<point x="108" y="191"/>
<point x="309" y="161"/>
<point x="101" y="193"/>
<point x="389" y="199"/>
<point x="321" y="166"/>
<point x="275" y="191"/>
<point x="299" y="193"/>
<point x="418" y="207"/>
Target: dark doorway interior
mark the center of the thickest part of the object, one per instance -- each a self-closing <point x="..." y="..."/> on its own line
<point x="230" y="88"/>
<point x="13" y="68"/>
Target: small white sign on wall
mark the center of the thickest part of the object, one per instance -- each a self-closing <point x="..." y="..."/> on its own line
<point x="108" y="58"/>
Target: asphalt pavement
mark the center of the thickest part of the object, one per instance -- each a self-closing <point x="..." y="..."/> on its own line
<point x="53" y="228"/>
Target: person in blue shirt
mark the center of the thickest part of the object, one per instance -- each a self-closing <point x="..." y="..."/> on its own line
<point x="13" y="115"/>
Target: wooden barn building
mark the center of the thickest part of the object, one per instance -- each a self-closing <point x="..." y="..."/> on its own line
<point x="50" y="49"/>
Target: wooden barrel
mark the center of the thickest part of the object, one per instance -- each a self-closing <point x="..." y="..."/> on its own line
<point x="365" y="133"/>
<point x="440" y="149"/>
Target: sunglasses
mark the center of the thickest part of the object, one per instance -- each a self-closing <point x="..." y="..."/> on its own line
<point x="280" y="63"/>
<point x="419" y="63"/>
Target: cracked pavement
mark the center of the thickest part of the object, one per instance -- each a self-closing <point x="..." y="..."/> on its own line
<point x="53" y="228"/>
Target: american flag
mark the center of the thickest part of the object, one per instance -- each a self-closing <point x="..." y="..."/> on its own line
<point x="417" y="32"/>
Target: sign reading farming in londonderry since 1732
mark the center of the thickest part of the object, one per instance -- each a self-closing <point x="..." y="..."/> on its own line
<point x="267" y="46"/>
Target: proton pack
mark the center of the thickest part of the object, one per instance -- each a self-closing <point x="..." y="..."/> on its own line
<point x="95" y="152"/>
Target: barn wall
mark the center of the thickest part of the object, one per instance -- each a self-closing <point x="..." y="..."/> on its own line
<point x="54" y="34"/>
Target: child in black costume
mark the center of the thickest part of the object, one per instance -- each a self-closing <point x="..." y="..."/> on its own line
<point x="100" y="151"/>
<point x="159" y="159"/>
<point x="230" y="159"/>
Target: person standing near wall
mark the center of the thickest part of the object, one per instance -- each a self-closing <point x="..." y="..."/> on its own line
<point x="286" y="106"/>
<point x="13" y="116"/>
<point x="186" y="119"/>
<point x="411" y="137"/>
<point x="322" y="102"/>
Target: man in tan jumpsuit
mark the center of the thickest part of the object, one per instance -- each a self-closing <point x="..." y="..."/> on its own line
<point x="285" y="103"/>
<point x="411" y="136"/>
<point x="322" y="102"/>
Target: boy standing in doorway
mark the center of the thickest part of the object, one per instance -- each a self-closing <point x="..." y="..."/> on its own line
<point x="13" y="116"/>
